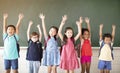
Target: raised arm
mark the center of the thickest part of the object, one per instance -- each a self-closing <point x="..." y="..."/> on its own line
<point x="87" y="20"/>
<point x="79" y="30"/>
<point x="42" y="17"/>
<point x="20" y="17"/>
<point x="80" y="23"/>
<point x="5" y="16"/>
<point x="28" y="30"/>
<point x="100" y="31"/>
<point x="40" y="32"/>
<point x="64" y="18"/>
<point x="113" y="32"/>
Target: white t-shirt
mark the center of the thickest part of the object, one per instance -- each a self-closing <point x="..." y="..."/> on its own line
<point x="105" y="53"/>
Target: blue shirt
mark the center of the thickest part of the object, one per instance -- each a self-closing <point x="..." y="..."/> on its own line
<point x="10" y="47"/>
<point x="52" y="45"/>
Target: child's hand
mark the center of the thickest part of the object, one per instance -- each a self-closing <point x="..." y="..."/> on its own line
<point x="64" y="18"/>
<point x="38" y="26"/>
<point x="80" y="20"/>
<point x="77" y="22"/>
<point x="30" y="23"/>
<point x="101" y="26"/>
<point x="42" y="16"/>
<point x="5" y="16"/>
<point x="87" y="20"/>
<point x="113" y="26"/>
<point x="21" y="16"/>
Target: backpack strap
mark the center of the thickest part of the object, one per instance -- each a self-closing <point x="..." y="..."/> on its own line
<point x="15" y="39"/>
<point x="18" y="46"/>
<point x="102" y="44"/>
<point x="29" y="43"/>
<point x="111" y="51"/>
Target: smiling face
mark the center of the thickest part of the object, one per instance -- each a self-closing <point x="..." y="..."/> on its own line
<point x="86" y="35"/>
<point x="107" y="40"/>
<point x="69" y="33"/>
<point x="34" y="38"/>
<point x="53" y="31"/>
<point x="11" y="30"/>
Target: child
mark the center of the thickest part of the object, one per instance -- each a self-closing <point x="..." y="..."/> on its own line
<point x="106" y="47"/>
<point x="10" y="38"/>
<point x="86" y="49"/>
<point x="51" y="57"/>
<point x="34" y="51"/>
<point x="69" y="60"/>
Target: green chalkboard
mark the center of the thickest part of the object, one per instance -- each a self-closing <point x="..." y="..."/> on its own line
<point x="99" y="11"/>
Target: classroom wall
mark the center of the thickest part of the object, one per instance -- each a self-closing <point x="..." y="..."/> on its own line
<point x="99" y="11"/>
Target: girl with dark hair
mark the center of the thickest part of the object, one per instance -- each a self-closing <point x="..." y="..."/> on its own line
<point x="69" y="60"/>
<point x="51" y="55"/>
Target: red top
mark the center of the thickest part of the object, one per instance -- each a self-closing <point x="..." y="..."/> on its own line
<point x="86" y="49"/>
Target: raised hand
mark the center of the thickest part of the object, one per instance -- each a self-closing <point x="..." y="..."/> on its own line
<point x="30" y="23"/>
<point x="113" y="26"/>
<point x="87" y="20"/>
<point x="42" y="16"/>
<point x="20" y="16"/>
<point x="64" y="18"/>
<point x="38" y="26"/>
<point x="77" y="22"/>
<point x="81" y="20"/>
<point x="5" y="15"/>
<point x="101" y="26"/>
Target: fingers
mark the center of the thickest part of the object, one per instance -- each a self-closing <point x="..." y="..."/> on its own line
<point x="87" y="20"/>
<point x="21" y="15"/>
<point x="5" y="15"/>
<point x="64" y="18"/>
<point x="101" y="25"/>
<point x="42" y="16"/>
<point x="81" y="19"/>
<point x="113" y="26"/>
<point x="38" y="26"/>
<point x="30" y="23"/>
<point x="77" y="22"/>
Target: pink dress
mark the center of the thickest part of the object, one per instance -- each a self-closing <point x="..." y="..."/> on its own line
<point x="69" y="59"/>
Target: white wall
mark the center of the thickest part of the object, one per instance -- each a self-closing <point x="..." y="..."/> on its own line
<point x="23" y="65"/>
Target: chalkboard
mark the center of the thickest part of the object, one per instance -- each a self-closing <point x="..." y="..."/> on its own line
<point x="99" y="11"/>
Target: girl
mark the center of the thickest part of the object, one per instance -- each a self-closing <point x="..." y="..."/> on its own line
<point x="10" y="38"/>
<point x="34" y="51"/>
<point x="86" y="50"/>
<point x="69" y="60"/>
<point x="51" y="57"/>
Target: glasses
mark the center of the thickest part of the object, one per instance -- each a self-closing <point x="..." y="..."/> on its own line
<point x="34" y="37"/>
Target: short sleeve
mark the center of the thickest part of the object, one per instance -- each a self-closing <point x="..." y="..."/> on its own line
<point x="4" y="36"/>
<point x="100" y="42"/>
<point x="111" y="43"/>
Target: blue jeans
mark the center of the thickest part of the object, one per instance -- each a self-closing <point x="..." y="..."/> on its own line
<point x="33" y="66"/>
<point x="11" y="63"/>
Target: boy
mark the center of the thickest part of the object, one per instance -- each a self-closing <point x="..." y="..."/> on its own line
<point x="34" y="51"/>
<point x="106" y="47"/>
<point x="10" y="38"/>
